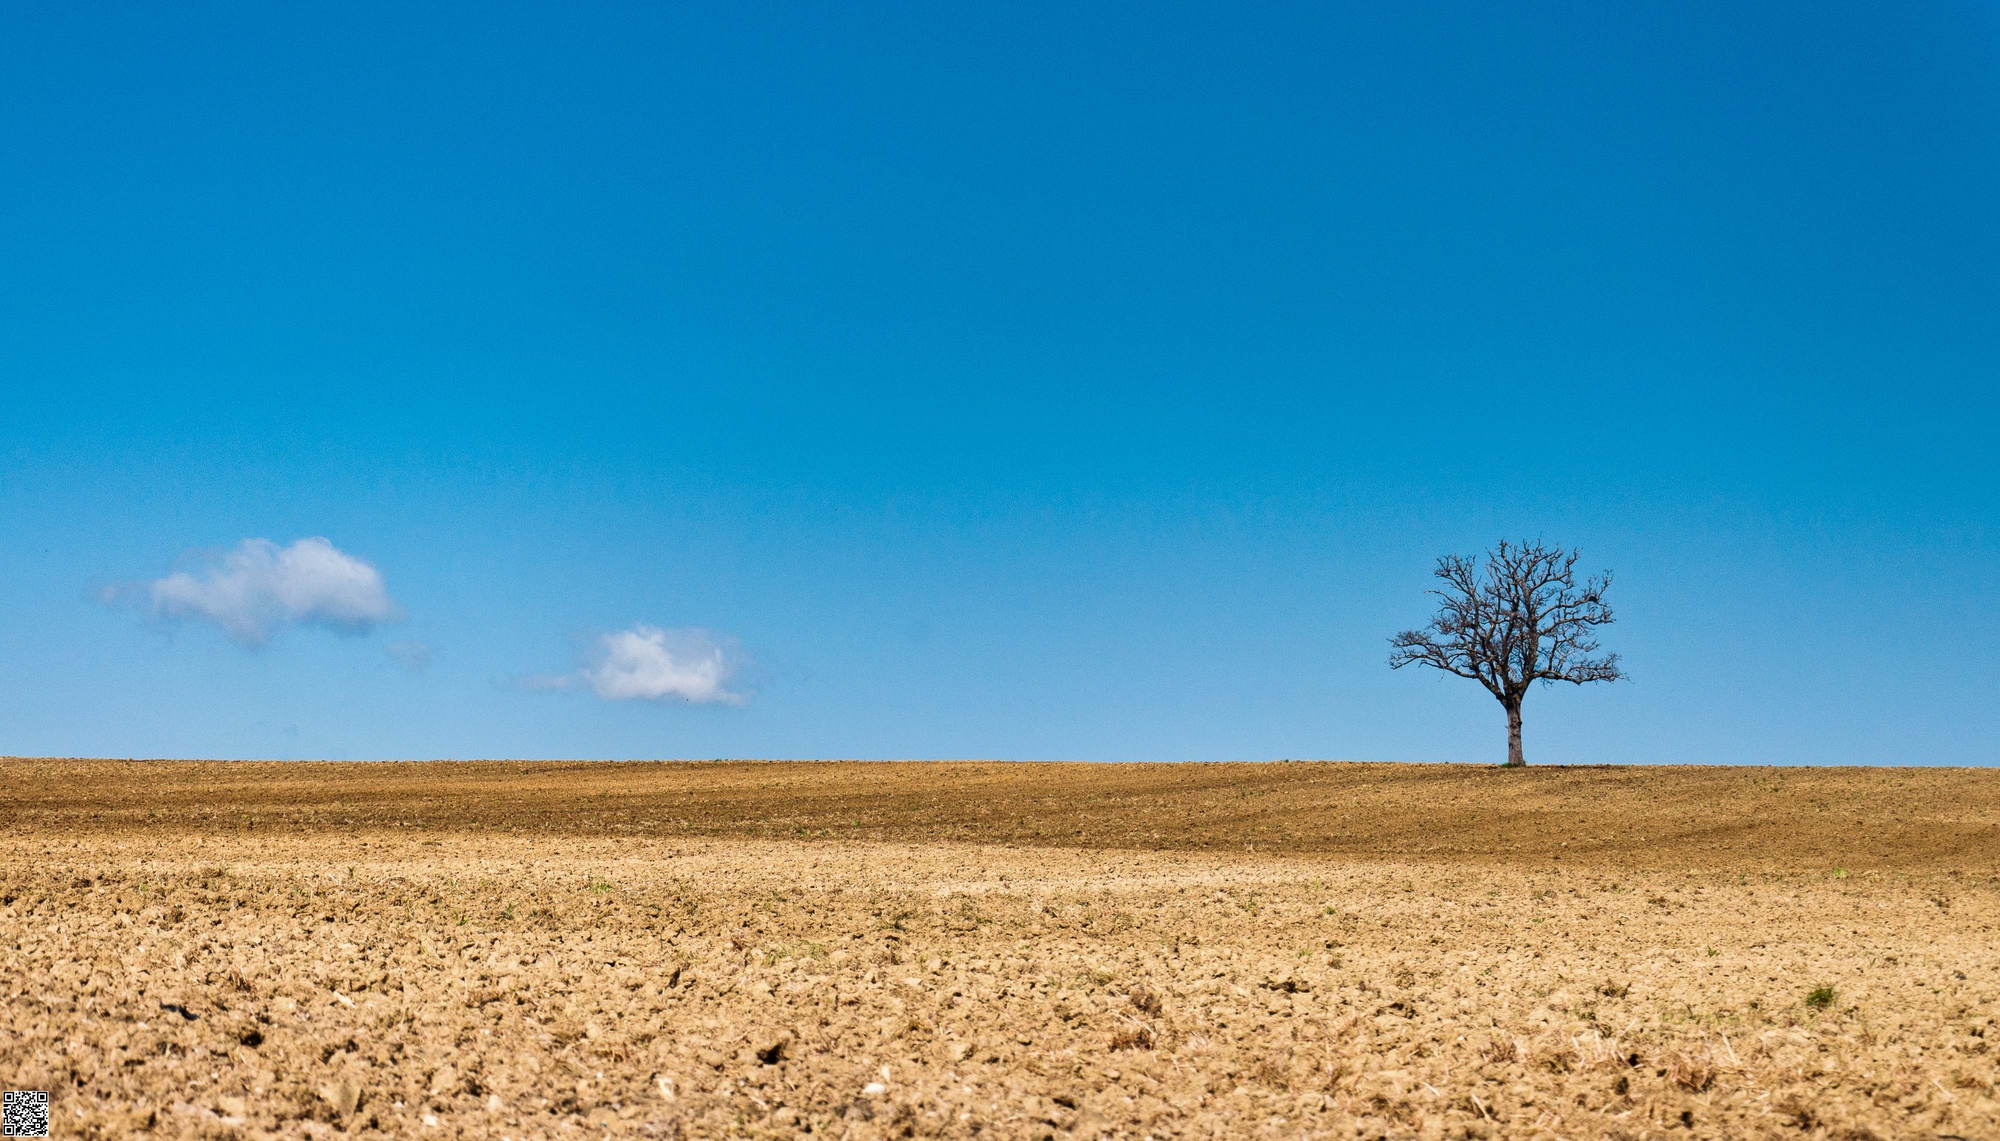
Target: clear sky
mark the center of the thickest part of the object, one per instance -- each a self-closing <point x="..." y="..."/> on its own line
<point x="942" y="380"/>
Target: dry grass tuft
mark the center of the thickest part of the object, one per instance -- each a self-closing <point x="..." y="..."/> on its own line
<point x="1501" y="1050"/>
<point x="1694" y="1073"/>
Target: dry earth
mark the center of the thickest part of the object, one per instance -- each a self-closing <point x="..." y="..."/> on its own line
<point x="872" y="951"/>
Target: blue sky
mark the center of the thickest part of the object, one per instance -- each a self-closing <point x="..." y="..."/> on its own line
<point x="1032" y="382"/>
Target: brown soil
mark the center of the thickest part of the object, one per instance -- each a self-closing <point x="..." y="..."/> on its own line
<point x="509" y="950"/>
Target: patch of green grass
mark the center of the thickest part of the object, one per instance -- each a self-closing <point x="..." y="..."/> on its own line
<point x="794" y="951"/>
<point x="1821" y="997"/>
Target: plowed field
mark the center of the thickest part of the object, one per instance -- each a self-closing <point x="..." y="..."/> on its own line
<point x="983" y="950"/>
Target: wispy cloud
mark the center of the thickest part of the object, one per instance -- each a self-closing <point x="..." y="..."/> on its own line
<point x="647" y="663"/>
<point x="256" y="588"/>
<point x="412" y="656"/>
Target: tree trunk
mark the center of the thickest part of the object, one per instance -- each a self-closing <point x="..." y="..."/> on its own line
<point x="1514" y="757"/>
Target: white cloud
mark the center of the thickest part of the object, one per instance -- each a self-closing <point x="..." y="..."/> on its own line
<point x="258" y="587"/>
<point x="647" y="663"/>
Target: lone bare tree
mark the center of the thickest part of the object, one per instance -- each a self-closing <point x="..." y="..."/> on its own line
<point x="1520" y="619"/>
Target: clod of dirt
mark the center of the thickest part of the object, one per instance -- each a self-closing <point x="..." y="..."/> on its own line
<point x="1801" y="1111"/>
<point x="343" y="1094"/>
<point x="1145" y="1000"/>
<point x="773" y="1050"/>
<point x="1691" y="1073"/>
<point x="1132" y="1038"/>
